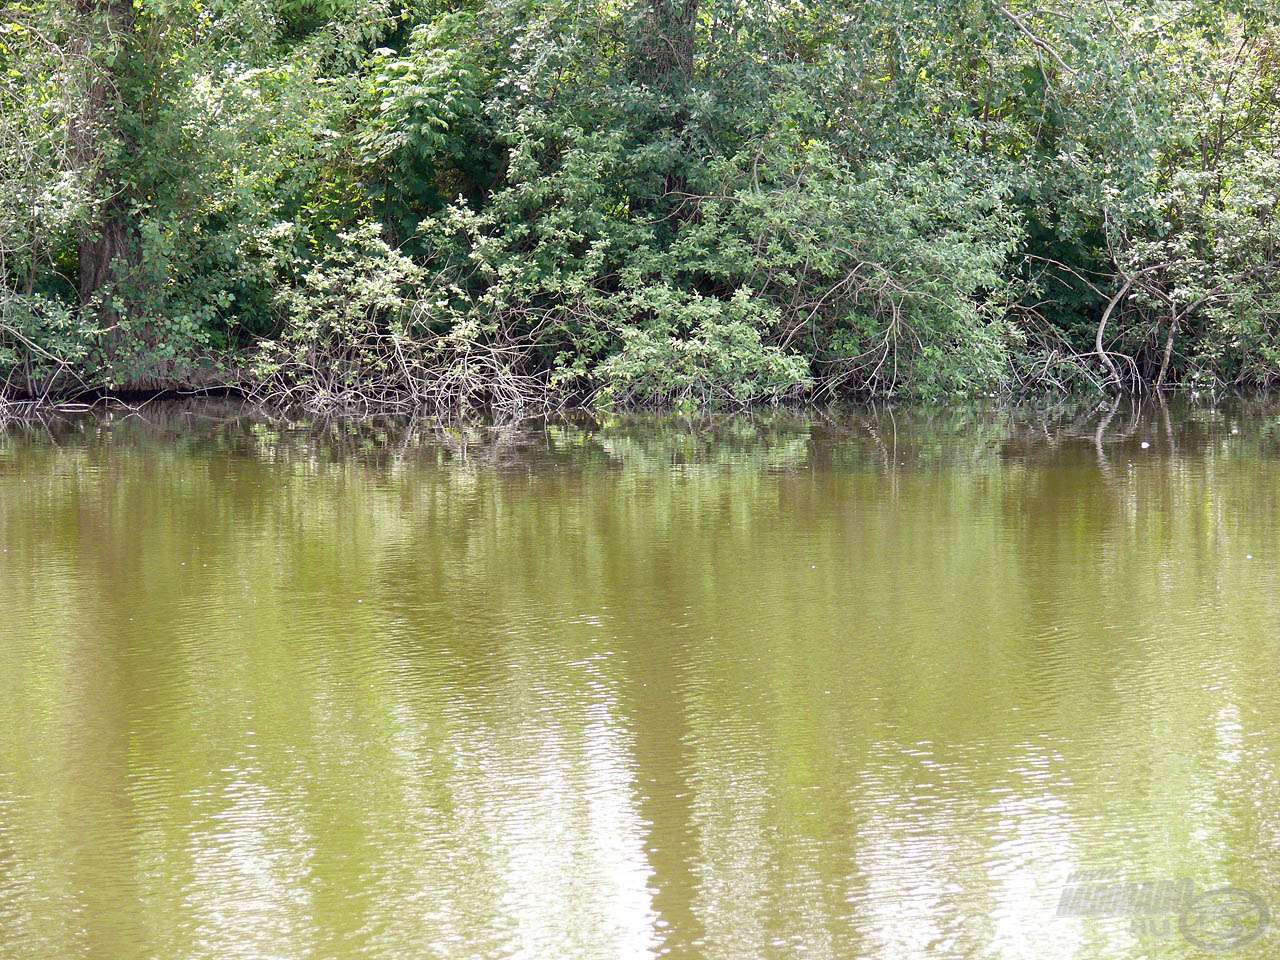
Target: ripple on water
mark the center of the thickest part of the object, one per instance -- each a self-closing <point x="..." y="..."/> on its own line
<point x="868" y="687"/>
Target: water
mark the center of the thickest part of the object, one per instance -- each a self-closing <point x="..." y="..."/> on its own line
<point x="871" y="685"/>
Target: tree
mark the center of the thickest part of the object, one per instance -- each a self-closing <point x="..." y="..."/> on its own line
<point x="102" y="40"/>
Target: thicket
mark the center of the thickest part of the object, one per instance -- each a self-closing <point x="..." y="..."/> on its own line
<point x="395" y="204"/>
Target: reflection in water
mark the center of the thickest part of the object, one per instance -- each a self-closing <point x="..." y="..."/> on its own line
<point x="865" y="685"/>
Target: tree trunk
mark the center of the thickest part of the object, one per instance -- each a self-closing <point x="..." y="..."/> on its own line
<point x="666" y="60"/>
<point x="1113" y="375"/>
<point x="672" y="25"/>
<point x="103" y="248"/>
<point x="1099" y="346"/>
<point x="109" y="239"/>
<point x="1174" y="317"/>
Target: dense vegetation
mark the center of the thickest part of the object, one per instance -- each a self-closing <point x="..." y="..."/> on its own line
<point x="401" y="203"/>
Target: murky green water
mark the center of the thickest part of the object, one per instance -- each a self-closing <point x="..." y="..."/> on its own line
<point x="872" y="686"/>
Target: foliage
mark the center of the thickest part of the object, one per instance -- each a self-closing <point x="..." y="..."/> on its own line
<point x="355" y="337"/>
<point x="406" y="202"/>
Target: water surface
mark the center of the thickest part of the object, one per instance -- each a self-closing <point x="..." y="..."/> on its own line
<point x="867" y="685"/>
